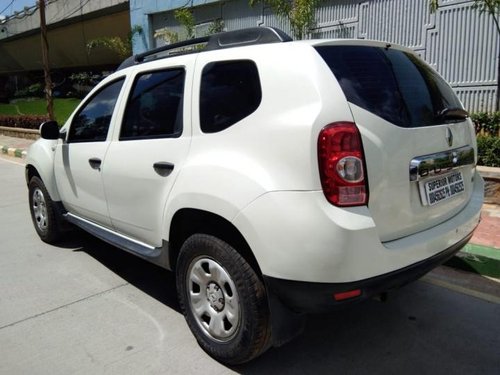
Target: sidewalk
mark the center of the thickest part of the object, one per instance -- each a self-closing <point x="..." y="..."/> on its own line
<point x="482" y="254"/>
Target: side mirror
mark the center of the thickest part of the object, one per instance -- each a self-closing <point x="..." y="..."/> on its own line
<point x="49" y="130"/>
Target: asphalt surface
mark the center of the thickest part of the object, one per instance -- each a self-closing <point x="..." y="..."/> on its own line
<point x="85" y="307"/>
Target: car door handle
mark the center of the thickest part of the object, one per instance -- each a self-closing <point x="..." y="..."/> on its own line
<point x="95" y="163"/>
<point x="163" y="168"/>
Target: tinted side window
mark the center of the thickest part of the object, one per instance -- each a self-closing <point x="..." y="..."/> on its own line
<point x="154" y="108"/>
<point x="91" y="123"/>
<point x="230" y="91"/>
<point x="392" y="84"/>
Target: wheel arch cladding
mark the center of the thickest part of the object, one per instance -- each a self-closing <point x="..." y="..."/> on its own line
<point x="188" y="221"/>
<point x="31" y="172"/>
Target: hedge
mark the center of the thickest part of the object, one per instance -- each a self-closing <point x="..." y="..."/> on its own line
<point x="488" y="149"/>
<point x="25" y="121"/>
<point x="487" y="126"/>
<point x="486" y="123"/>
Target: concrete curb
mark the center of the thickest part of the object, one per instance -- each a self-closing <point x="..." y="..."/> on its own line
<point x="483" y="251"/>
<point x="489" y="173"/>
<point x="32" y="134"/>
<point x="14" y="152"/>
<point x="477" y="259"/>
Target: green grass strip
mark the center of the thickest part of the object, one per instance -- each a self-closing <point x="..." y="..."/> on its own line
<point x="63" y="107"/>
<point x="8" y="109"/>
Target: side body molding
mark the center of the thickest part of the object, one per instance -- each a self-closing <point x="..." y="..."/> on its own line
<point x="156" y="255"/>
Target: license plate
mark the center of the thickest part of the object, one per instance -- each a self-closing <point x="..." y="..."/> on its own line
<point x="441" y="188"/>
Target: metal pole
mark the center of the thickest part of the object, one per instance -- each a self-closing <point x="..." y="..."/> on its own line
<point x="45" y="60"/>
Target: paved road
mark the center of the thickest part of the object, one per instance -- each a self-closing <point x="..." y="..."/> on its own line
<point x="85" y="307"/>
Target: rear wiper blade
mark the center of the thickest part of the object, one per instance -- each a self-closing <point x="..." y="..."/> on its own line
<point x="453" y="114"/>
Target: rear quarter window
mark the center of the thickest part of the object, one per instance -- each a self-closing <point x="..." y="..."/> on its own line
<point x="229" y="92"/>
<point x="392" y="84"/>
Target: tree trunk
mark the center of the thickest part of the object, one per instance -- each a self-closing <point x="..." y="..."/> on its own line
<point x="45" y="59"/>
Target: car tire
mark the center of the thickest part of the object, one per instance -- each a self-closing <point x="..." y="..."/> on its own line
<point x="43" y="211"/>
<point x="223" y="300"/>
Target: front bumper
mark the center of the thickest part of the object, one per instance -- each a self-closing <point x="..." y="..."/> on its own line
<point x="311" y="297"/>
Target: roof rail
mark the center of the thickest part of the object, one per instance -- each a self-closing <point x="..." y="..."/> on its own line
<point x="228" y="39"/>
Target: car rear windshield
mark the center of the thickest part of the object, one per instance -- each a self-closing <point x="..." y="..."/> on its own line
<point x="392" y="84"/>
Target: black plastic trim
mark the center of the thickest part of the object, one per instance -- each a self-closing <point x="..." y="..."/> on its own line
<point x="310" y="297"/>
<point x="163" y="168"/>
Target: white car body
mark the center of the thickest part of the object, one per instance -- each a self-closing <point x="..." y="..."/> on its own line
<point x="261" y="175"/>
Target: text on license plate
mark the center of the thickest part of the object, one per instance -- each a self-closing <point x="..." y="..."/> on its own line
<point x="442" y="188"/>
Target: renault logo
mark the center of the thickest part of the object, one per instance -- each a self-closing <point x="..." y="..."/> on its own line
<point x="449" y="137"/>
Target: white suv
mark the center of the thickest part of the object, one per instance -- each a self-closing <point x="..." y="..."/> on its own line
<point x="275" y="178"/>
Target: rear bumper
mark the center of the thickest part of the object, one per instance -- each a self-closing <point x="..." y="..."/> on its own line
<point x="299" y="236"/>
<point x="310" y="297"/>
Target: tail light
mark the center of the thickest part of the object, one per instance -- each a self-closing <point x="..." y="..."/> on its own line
<point x="341" y="165"/>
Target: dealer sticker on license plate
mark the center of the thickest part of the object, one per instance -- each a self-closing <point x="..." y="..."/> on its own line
<point x="441" y="188"/>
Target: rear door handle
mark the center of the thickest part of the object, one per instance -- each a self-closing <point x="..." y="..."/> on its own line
<point x="163" y="168"/>
<point x="95" y="163"/>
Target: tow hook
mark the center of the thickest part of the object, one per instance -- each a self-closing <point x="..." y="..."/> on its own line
<point x="382" y="297"/>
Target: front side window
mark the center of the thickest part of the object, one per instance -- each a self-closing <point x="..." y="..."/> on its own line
<point x="91" y="123"/>
<point x="154" y="108"/>
<point x="230" y="91"/>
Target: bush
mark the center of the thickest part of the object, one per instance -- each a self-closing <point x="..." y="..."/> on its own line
<point x="488" y="149"/>
<point x="488" y="123"/>
<point x="21" y="93"/>
<point x="34" y="90"/>
<point x="25" y="122"/>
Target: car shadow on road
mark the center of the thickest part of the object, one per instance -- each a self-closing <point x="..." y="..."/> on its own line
<point x="420" y="329"/>
<point x="151" y="279"/>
